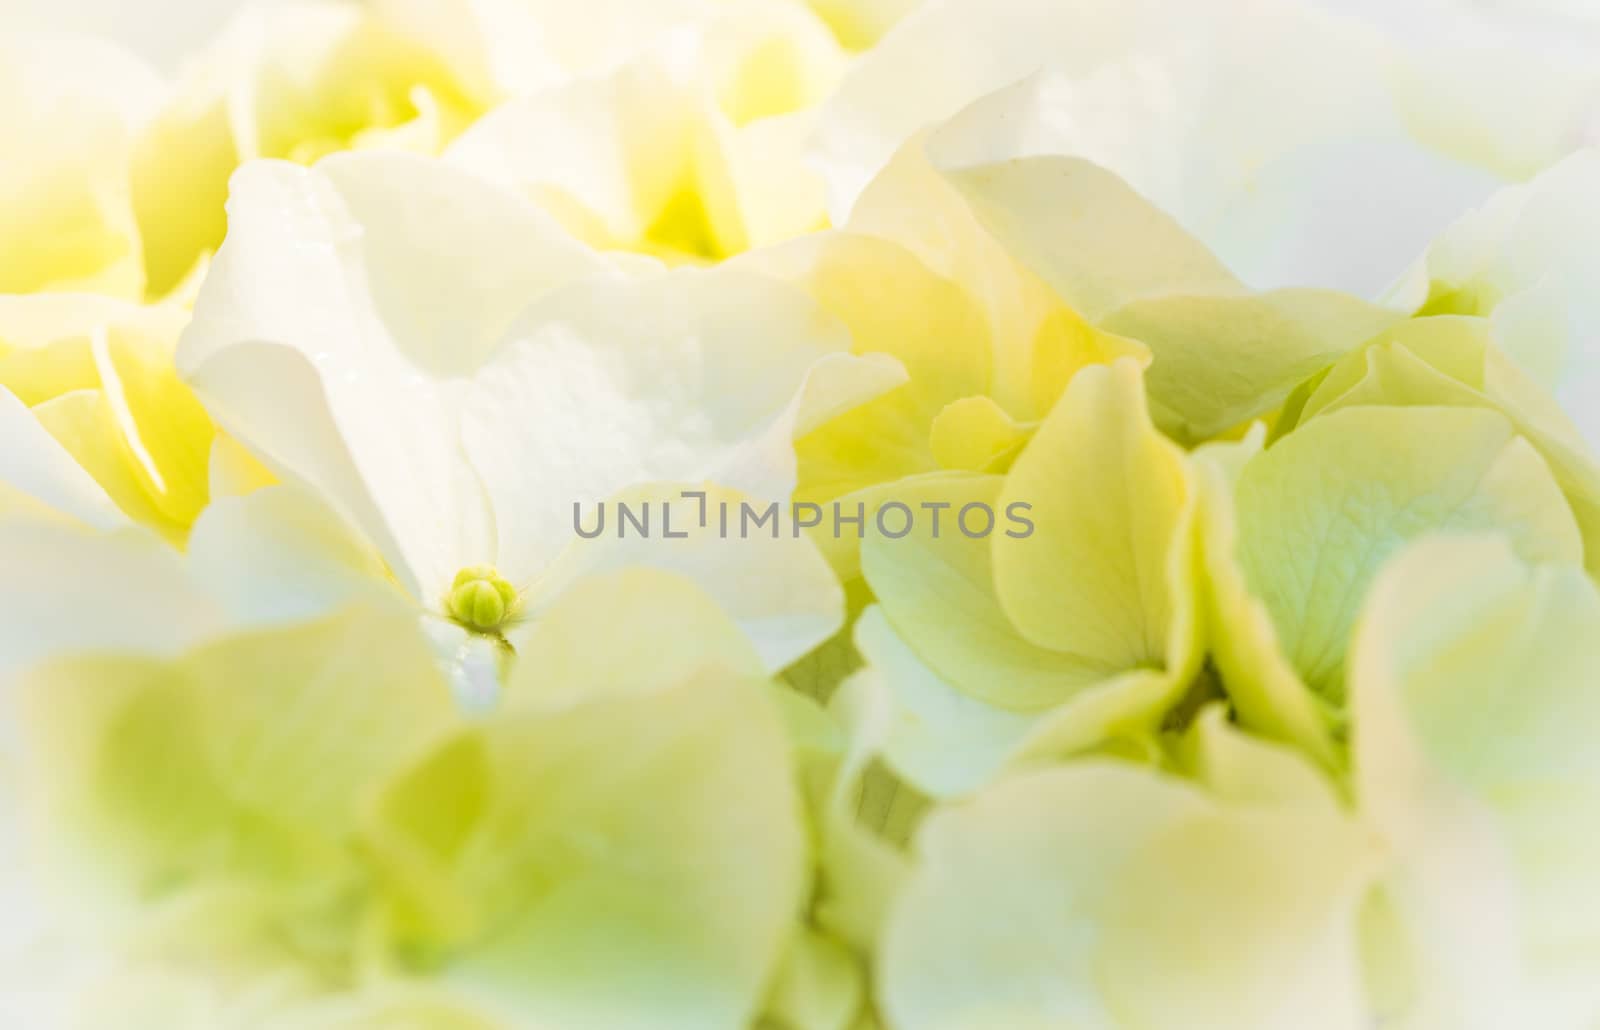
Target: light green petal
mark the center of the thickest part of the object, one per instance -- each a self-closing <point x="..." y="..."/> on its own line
<point x="1131" y="270"/>
<point x="1105" y="576"/>
<point x="247" y="760"/>
<point x="1473" y="678"/>
<point x="401" y="1006"/>
<point x="1320" y="511"/>
<point x="1452" y="360"/>
<point x="1105" y="896"/>
<point x="1266" y="691"/>
<point x="820" y="987"/>
<point x="1244" y="919"/>
<point x="1240" y="768"/>
<point x="1222" y="360"/>
<point x="938" y="593"/>
<point x="946" y="742"/>
<point x="622" y="852"/>
<point x="1001" y="649"/>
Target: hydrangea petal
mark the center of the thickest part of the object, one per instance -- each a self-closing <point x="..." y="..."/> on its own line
<point x="292" y="81"/>
<point x="345" y="244"/>
<point x="72" y="107"/>
<point x="946" y="742"/>
<point x="605" y="385"/>
<point x="1314" y="183"/>
<point x="1451" y="360"/>
<point x="892" y="304"/>
<point x="1219" y="361"/>
<point x="887" y="97"/>
<point x="1109" y="496"/>
<point x="1472" y="676"/>
<point x="1104" y="896"/>
<point x="1107" y="247"/>
<point x="280" y="555"/>
<point x="632" y="853"/>
<point x="1320" y="510"/>
<point x="64" y="589"/>
<point x="938" y="592"/>
<point x="246" y="758"/>
<point x="774" y="584"/>
<point x="1266" y="691"/>
<point x="99" y="372"/>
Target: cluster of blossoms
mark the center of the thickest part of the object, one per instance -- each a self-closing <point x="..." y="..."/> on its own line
<point x="1261" y="339"/>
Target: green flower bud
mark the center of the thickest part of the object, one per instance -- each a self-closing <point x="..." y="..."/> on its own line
<point x="480" y="599"/>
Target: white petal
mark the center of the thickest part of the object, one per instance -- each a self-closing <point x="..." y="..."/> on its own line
<point x="1530" y="260"/>
<point x="978" y="48"/>
<point x="688" y="375"/>
<point x="342" y="272"/>
<point x="280" y="555"/>
<point x="63" y="589"/>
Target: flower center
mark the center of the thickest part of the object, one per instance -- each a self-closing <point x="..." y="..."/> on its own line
<point x="480" y="599"/>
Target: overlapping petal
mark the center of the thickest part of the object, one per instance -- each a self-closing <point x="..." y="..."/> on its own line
<point x="1046" y="637"/>
<point x="1472" y="674"/>
<point x="462" y="401"/>
<point x="1108" y="896"/>
<point x="573" y="857"/>
<point x="691" y="150"/>
<point x="69" y="112"/>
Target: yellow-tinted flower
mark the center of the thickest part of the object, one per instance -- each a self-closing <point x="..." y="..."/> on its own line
<point x="69" y="110"/>
<point x="296" y="81"/>
<point x="96" y="374"/>
<point x="691" y="150"/>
